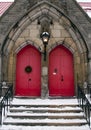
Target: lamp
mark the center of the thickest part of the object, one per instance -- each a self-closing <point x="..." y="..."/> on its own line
<point x="45" y="38"/>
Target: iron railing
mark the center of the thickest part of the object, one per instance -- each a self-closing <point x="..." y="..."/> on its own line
<point x="89" y="90"/>
<point x="84" y="104"/>
<point x="5" y="102"/>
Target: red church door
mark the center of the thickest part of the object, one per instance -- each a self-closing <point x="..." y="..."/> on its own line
<point x="28" y="72"/>
<point x="61" y="76"/>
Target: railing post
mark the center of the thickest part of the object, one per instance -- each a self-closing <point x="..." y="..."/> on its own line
<point x="0" y="89"/>
<point x="0" y="113"/>
<point x="88" y="114"/>
<point x="84" y="103"/>
<point x="89" y="90"/>
<point x="5" y="102"/>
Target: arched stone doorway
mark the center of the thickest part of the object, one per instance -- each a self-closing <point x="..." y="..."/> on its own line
<point x="63" y="31"/>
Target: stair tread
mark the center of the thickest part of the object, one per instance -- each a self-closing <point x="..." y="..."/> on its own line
<point x="46" y="120"/>
<point x="45" y="108"/>
<point x="14" y="127"/>
<point x="44" y="102"/>
<point x="50" y="107"/>
<point x="45" y="114"/>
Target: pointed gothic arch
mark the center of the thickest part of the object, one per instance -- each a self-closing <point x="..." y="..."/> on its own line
<point x="53" y="13"/>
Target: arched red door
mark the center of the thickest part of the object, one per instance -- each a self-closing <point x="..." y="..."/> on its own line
<point x="61" y="76"/>
<point x="28" y="72"/>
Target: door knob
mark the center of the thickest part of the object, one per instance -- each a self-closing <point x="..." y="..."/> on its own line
<point x="29" y="79"/>
<point x="62" y="78"/>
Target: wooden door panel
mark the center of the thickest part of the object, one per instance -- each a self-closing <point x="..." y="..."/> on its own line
<point x="28" y="83"/>
<point x="61" y="83"/>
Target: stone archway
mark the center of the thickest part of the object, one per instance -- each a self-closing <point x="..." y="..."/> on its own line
<point x="62" y="29"/>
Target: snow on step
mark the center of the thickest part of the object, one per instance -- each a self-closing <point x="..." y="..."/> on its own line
<point x="17" y="101"/>
<point x="45" y="108"/>
<point x="45" y="114"/>
<point x="10" y="127"/>
<point x="18" y="114"/>
<point x="38" y="121"/>
<point x="42" y="109"/>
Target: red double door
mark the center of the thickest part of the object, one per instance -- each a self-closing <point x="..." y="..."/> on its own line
<point x="60" y="74"/>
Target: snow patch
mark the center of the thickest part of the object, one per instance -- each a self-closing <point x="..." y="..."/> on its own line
<point x="44" y="101"/>
<point x="10" y="127"/>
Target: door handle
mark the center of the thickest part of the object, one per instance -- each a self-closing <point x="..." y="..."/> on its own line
<point x="62" y="78"/>
<point x="29" y="79"/>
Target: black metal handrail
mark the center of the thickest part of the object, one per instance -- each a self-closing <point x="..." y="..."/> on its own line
<point x="5" y="102"/>
<point x="84" y="104"/>
<point x="89" y="90"/>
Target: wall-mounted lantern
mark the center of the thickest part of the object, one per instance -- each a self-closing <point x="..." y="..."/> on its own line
<point x="45" y="38"/>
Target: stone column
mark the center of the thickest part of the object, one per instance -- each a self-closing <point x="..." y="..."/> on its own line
<point x="44" y="78"/>
<point x="44" y="90"/>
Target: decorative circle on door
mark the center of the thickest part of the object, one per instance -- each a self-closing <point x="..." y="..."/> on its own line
<point x="28" y="69"/>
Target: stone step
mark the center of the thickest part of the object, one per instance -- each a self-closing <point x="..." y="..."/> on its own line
<point x="45" y="122"/>
<point x="46" y="115"/>
<point x="14" y="127"/>
<point x="44" y="102"/>
<point x="43" y="105"/>
<point x="47" y="109"/>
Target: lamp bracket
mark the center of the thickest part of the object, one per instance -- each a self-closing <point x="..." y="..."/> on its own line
<point x="45" y="22"/>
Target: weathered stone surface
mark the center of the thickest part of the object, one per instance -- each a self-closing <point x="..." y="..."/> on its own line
<point x="20" y="8"/>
